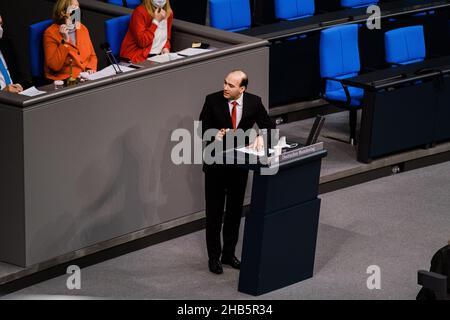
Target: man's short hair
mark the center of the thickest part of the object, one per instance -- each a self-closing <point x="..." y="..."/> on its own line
<point x="244" y="81"/>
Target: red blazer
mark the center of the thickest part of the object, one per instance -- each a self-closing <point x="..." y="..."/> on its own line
<point x="138" y="41"/>
<point x="59" y="53"/>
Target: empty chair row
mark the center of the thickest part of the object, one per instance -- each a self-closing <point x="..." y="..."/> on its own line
<point x="125" y="3"/>
<point x="339" y="59"/>
<point x="235" y="15"/>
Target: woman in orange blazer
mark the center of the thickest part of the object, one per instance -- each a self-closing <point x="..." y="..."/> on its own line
<point x="149" y="31"/>
<point x="67" y="42"/>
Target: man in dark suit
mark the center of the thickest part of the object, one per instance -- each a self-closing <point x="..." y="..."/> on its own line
<point x="232" y="108"/>
<point x="7" y="59"/>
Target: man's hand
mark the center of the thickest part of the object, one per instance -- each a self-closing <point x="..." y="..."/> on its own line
<point x="13" y="88"/>
<point x="258" y="144"/>
<point x="165" y="50"/>
<point x="221" y="134"/>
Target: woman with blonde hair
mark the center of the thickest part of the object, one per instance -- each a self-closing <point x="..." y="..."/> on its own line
<point x="68" y="47"/>
<point x="149" y="31"/>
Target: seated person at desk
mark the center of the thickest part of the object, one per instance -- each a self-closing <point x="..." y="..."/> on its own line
<point x="67" y="43"/>
<point x="6" y="83"/>
<point x="149" y="31"/>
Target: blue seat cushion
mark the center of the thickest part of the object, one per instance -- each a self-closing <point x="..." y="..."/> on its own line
<point x="411" y="61"/>
<point x="357" y="3"/>
<point x="335" y="91"/>
<point x="294" y="9"/>
<point x="230" y="15"/>
<point x="130" y="3"/>
<point x="356" y="95"/>
<point x="115" y="31"/>
<point x="339" y="52"/>
<point x="405" y="45"/>
<point x="36" y="50"/>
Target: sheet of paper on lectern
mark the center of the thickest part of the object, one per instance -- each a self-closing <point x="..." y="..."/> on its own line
<point x="108" y="72"/>
<point x="189" y="52"/>
<point x="31" y="92"/>
<point x="166" y="57"/>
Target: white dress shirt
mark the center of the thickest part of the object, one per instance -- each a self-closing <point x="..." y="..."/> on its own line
<point x="2" y="78"/>
<point x="160" y="39"/>
<point x="239" y="107"/>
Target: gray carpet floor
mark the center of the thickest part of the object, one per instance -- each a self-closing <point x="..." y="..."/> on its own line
<point x="396" y="223"/>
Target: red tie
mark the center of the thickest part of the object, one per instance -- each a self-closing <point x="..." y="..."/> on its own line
<point x="234" y="114"/>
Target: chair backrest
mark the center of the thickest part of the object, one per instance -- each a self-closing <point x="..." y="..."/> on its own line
<point x="129" y="3"/>
<point x="115" y="31"/>
<point x="339" y="54"/>
<point x="357" y="3"/>
<point x="294" y="9"/>
<point x="405" y="45"/>
<point x="230" y="15"/>
<point x="36" y="47"/>
<point x="438" y="279"/>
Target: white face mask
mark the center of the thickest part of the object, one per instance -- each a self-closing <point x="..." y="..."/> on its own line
<point x="75" y="17"/>
<point x="1" y="32"/>
<point x="159" y="3"/>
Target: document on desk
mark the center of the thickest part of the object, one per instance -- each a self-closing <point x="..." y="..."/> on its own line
<point x="189" y="52"/>
<point x="31" y="92"/>
<point x="166" y="57"/>
<point x="253" y="151"/>
<point x="108" y="72"/>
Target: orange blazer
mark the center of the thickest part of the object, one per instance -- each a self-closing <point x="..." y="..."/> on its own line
<point x="138" y="41"/>
<point x="58" y="54"/>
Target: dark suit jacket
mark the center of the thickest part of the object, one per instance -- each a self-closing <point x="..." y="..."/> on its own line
<point x="216" y="114"/>
<point x="10" y="58"/>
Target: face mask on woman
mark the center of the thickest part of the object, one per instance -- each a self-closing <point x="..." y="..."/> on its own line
<point x="159" y="3"/>
<point x="75" y="17"/>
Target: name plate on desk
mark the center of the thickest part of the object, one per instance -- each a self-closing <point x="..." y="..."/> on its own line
<point x="296" y="153"/>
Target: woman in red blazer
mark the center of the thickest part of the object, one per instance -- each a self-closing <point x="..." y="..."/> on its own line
<point x="149" y="31"/>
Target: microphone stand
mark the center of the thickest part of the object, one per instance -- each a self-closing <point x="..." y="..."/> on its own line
<point x="111" y="58"/>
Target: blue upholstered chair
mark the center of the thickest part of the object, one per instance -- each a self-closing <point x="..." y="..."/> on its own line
<point x="405" y="45"/>
<point x="128" y="3"/>
<point x="339" y="59"/>
<point x="357" y="3"/>
<point x="115" y="31"/>
<point x="36" y="49"/>
<point x="230" y="15"/>
<point x="294" y="9"/>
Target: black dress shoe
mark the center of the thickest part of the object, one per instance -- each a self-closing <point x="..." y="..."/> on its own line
<point x="215" y="266"/>
<point x="232" y="261"/>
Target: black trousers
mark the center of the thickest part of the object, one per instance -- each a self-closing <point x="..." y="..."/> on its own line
<point x="224" y="185"/>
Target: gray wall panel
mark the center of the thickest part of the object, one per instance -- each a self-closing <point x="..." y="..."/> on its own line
<point x="12" y="213"/>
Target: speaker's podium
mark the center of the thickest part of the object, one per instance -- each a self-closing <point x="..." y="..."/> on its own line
<point x="280" y="232"/>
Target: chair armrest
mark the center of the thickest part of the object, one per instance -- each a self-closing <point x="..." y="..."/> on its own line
<point x="434" y="282"/>
<point x="347" y="93"/>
